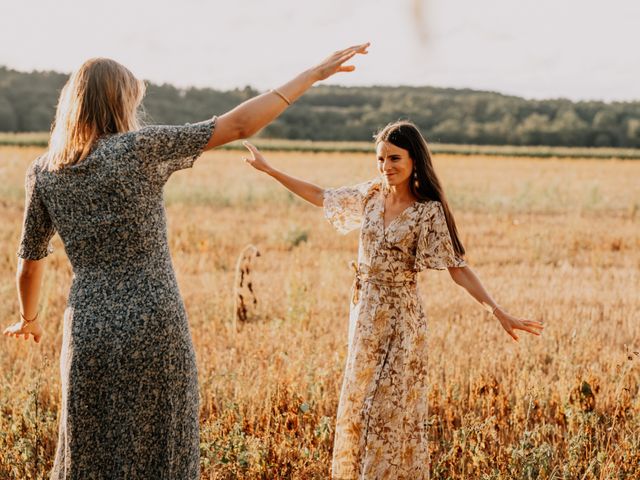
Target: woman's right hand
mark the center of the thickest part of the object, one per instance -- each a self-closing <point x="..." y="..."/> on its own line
<point x="257" y="160"/>
<point x="335" y="63"/>
<point x="25" y="329"/>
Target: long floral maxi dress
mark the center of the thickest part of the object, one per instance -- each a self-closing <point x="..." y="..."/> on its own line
<point x="382" y="414"/>
<point x="129" y="379"/>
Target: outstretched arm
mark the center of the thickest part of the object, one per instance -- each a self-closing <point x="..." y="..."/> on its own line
<point x="466" y="278"/>
<point x="256" y="113"/>
<point x="310" y="192"/>
<point x="28" y="281"/>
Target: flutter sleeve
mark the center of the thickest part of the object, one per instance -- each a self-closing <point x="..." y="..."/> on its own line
<point x="435" y="249"/>
<point x="344" y="206"/>
<point x="164" y="149"/>
<point x="37" y="226"/>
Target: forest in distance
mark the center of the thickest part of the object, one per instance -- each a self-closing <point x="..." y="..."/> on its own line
<point x="336" y="113"/>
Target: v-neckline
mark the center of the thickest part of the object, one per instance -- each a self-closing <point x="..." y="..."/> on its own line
<point x="385" y="229"/>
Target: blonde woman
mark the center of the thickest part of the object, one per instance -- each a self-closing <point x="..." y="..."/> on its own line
<point x="129" y="379"/>
<point x="405" y="226"/>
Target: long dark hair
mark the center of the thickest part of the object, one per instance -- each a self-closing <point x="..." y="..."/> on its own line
<point x="406" y="135"/>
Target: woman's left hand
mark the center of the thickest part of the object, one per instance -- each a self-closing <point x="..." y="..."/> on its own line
<point x="511" y="324"/>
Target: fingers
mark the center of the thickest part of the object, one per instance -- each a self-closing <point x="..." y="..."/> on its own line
<point x="342" y="56"/>
<point x="334" y="63"/>
<point x="249" y="146"/>
<point x="343" y="59"/>
<point x="346" y="57"/>
<point x="9" y="331"/>
<point x="531" y="326"/>
<point x="360" y="48"/>
<point x="16" y="331"/>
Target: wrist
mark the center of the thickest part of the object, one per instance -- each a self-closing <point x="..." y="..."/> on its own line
<point x="29" y="320"/>
<point x="311" y="76"/>
<point x="272" y="172"/>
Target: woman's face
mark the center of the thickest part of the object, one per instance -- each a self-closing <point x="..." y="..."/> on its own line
<point x="394" y="164"/>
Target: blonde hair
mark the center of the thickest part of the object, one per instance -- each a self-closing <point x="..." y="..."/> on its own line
<point x="101" y="97"/>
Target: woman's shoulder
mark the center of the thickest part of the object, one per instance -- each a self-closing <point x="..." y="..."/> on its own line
<point x="38" y="165"/>
<point x="429" y="204"/>
<point x="430" y="208"/>
<point x="368" y="185"/>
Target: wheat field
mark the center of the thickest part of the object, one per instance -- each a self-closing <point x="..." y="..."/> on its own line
<point x="552" y="239"/>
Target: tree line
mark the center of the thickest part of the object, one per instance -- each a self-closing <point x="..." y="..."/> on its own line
<point x="445" y="115"/>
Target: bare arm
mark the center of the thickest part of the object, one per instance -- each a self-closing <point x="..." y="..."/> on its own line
<point x="308" y="191"/>
<point x="28" y="281"/>
<point x="467" y="279"/>
<point x="249" y="117"/>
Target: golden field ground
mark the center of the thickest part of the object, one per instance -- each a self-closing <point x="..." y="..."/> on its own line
<point x="552" y="239"/>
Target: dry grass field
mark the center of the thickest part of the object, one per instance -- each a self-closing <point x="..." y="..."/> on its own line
<point x="552" y="239"/>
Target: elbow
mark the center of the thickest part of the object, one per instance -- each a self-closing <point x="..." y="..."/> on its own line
<point x="243" y="132"/>
<point x="28" y="268"/>
<point x="457" y="275"/>
<point x="244" y="127"/>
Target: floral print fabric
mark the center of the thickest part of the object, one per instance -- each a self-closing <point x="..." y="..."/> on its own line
<point x="382" y="414"/>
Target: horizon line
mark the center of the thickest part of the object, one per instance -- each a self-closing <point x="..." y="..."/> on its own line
<point x="369" y="85"/>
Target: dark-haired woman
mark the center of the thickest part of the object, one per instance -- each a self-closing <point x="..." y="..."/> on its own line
<point x="406" y="226"/>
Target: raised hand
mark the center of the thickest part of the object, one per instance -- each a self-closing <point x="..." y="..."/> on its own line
<point x="336" y="62"/>
<point x="25" y="329"/>
<point x="511" y="323"/>
<point x="257" y="161"/>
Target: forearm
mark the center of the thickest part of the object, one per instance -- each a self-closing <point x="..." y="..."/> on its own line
<point x="308" y="191"/>
<point x="467" y="279"/>
<point x="258" y="112"/>
<point x="28" y="282"/>
<point x="254" y="114"/>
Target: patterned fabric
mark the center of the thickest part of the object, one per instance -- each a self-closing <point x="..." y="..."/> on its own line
<point x="129" y="379"/>
<point x="382" y="413"/>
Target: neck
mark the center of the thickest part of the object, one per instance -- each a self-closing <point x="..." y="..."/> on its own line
<point x="400" y="193"/>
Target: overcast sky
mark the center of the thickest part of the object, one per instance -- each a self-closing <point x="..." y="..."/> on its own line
<point x="580" y="49"/>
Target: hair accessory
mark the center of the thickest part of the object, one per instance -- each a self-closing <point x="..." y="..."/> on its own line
<point x="281" y="95"/>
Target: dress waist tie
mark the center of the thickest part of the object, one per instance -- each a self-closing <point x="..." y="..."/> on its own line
<point x="383" y="278"/>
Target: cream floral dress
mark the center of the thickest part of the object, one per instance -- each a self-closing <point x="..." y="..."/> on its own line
<point x="381" y="422"/>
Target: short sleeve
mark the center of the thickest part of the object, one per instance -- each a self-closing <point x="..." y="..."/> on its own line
<point x="37" y="226"/>
<point x="343" y="206"/>
<point x="164" y="149"/>
<point x="435" y="249"/>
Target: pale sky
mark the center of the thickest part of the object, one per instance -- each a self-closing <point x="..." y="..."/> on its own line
<point x="579" y="49"/>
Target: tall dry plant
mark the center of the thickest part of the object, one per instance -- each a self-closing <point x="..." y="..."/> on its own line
<point x="244" y="296"/>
